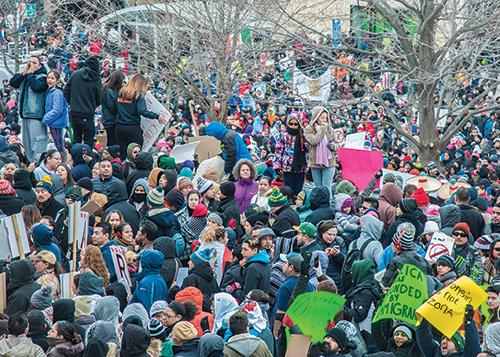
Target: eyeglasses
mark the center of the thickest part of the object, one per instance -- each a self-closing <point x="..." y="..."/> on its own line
<point x="461" y="235"/>
<point x="364" y="208"/>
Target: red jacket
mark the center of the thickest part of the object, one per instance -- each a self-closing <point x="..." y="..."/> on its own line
<point x="194" y="294"/>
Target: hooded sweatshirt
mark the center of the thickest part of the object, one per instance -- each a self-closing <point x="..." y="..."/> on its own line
<point x="144" y="165"/>
<point x="80" y="167"/>
<point x="389" y="198"/>
<point x="450" y="216"/>
<point x="171" y="264"/>
<point x="151" y="286"/>
<point x="117" y="200"/>
<point x="43" y="239"/>
<point x="21" y="286"/>
<point x="195" y="295"/>
<point x="15" y="346"/>
<point x="135" y="341"/>
<point x="257" y="272"/>
<point x="319" y="199"/>
<point x="371" y="229"/>
<point x="246" y="345"/>
<point x="83" y="91"/>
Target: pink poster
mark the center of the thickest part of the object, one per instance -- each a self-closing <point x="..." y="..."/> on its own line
<point x="359" y="166"/>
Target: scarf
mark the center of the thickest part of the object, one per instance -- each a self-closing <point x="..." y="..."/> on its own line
<point x="299" y="153"/>
<point x="323" y="154"/>
<point x="197" y="225"/>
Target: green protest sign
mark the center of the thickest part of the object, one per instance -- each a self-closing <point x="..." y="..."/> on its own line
<point x="312" y="312"/>
<point x="407" y="293"/>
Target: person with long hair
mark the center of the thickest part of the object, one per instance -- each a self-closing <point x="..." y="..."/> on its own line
<point x="47" y="267"/>
<point x="56" y="110"/>
<point x="65" y="173"/>
<point x="110" y="89"/>
<point x="115" y="218"/>
<point x="124" y="236"/>
<point x="64" y="340"/>
<point x="92" y="260"/>
<point x="31" y="215"/>
<point x="130" y="107"/>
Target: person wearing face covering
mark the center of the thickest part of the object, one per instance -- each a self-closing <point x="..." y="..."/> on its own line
<point x="138" y="195"/>
<point x="143" y="165"/>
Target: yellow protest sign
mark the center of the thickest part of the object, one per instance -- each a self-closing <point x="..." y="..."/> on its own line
<point x="445" y="309"/>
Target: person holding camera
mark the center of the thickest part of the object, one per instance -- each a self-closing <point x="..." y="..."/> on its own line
<point x="320" y="139"/>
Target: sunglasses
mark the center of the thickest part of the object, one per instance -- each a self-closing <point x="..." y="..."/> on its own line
<point x="293" y="124"/>
<point x="497" y="249"/>
<point x="462" y="235"/>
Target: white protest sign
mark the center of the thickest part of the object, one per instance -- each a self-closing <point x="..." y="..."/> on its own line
<point x="274" y="132"/>
<point x="66" y="282"/>
<point x="339" y="136"/>
<point x="184" y="152"/>
<point x="404" y="176"/>
<point x="314" y="89"/>
<point x="355" y="141"/>
<point x="152" y="128"/>
<point x="13" y="228"/>
<point x="219" y="256"/>
<point x="440" y="244"/>
<point x="120" y="264"/>
<point x="182" y="273"/>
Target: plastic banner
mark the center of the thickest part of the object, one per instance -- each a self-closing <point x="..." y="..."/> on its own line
<point x="313" y="89"/>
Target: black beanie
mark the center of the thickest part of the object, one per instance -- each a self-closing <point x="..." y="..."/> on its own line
<point x="408" y="205"/>
<point x="339" y="336"/>
<point x="228" y="188"/>
<point x="175" y="199"/>
<point x="86" y="183"/>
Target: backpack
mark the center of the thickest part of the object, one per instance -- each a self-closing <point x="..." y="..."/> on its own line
<point x="355" y="254"/>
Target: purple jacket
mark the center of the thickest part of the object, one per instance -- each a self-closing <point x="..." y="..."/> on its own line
<point x="245" y="189"/>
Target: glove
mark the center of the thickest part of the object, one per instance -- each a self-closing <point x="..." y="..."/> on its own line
<point x="469" y="314"/>
<point x="205" y="326"/>
<point x="379" y="174"/>
<point x="304" y="267"/>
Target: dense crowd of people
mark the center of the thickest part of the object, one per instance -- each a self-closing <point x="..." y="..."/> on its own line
<point x="269" y="218"/>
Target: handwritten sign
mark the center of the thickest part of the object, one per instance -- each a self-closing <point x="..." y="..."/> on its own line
<point x="312" y="312"/>
<point x="407" y="293"/>
<point x="121" y="268"/>
<point x="440" y="244"/>
<point x="355" y="141"/>
<point x="152" y="128"/>
<point x="445" y="309"/>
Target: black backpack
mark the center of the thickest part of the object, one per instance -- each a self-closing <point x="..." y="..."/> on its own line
<point x="352" y="256"/>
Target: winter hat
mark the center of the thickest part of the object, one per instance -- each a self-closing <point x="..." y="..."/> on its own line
<point x="200" y="211"/>
<point x="90" y="284"/>
<point x="135" y="311"/>
<point x="432" y="211"/>
<point x="276" y="198"/>
<point x="228" y="188"/>
<point x="430" y="227"/>
<point x="167" y="163"/>
<point x="135" y="341"/>
<point x="421" y="197"/>
<point x="462" y="227"/>
<point x="158" y="306"/>
<point x="204" y="186"/>
<point x="257" y="216"/>
<point x="404" y="329"/>
<point x="114" y="151"/>
<point x="403" y="238"/>
<point x="95" y="347"/>
<point x="348" y="203"/>
<point x="184" y="182"/>
<point x="42" y="298"/>
<point x="42" y="235"/>
<point x="156" y="329"/>
<point x="483" y="242"/>
<point x="408" y="205"/>
<point x="266" y="232"/>
<point x="155" y="197"/>
<point x="184" y="331"/>
<point x="339" y="336"/>
<point x="202" y="256"/>
<point x="216" y="218"/>
<point x="459" y="341"/>
<point x="346" y="187"/>
<point x="45" y="183"/>
<point x="6" y="188"/>
<point x="175" y="199"/>
<point x="130" y="148"/>
<point x="188" y="164"/>
<point x="75" y="193"/>
<point x="186" y="172"/>
<point x="86" y="183"/>
<point x="83" y="305"/>
<point x="446" y="260"/>
<point x="389" y="177"/>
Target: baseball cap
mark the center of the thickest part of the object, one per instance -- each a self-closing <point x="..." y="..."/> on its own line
<point x="306" y="228"/>
<point x="293" y="258"/>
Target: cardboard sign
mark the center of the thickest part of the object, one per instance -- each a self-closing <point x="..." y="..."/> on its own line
<point x="78" y="227"/>
<point x="66" y="282"/>
<point x="445" y="309"/>
<point x="208" y="148"/>
<point x="3" y="291"/>
<point x="298" y="346"/>
<point x="120" y="264"/>
<point x="274" y="132"/>
<point x="407" y="293"/>
<point x="13" y="228"/>
<point x="355" y="141"/>
<point x="152" y="128"/>
<point x="440" y="244"/>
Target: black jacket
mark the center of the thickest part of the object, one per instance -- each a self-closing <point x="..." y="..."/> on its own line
<point x="21" y="286"/>
<point x="171" y="264"/>
<point x="320" y="205"/>
<point x="130" y="112"/>
<point x="203" y="278"/>
<point x="10" y="204"/>
<point x="256" y="273"/>
<point x="118" y="200"/>
<point x="109" y="108"/>
<point x="474" y="219"/>
<point x="361" y="296"/>
<point x="405" y="257"/>
<point x="230" y="210"/>
<point x="286" y="218"/>
<point x="24" y="186"/>
<point x="83" y="91"/>
<point x="412" y="218"/>
<point x="143" y="166"/>
<point x="50" y="209"/>
<point x="232" y="274"/>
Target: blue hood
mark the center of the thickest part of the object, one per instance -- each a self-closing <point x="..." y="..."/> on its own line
<point x="42" y="235"/>
<point x="4" y="146"/>
<point x="77" y="153"/>
<point x="260" y="257"/>
<point x="151" y="260"/>
<point x="216" y="130"/>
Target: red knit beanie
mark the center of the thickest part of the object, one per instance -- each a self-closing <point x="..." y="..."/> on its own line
<point x="462" y="227"/>
<point x="421" y="197"/>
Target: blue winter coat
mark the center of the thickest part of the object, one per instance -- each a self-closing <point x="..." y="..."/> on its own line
<point x="56" y="109"/>
<point x="43" y="239"/>
<point x="233" y="146"/>
<point x="108" y="258"/>
<point x="151" y="286"/>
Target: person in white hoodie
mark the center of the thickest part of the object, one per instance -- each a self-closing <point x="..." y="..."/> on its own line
<point x="371" y="229"/>
<point x="263" y="191"/>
